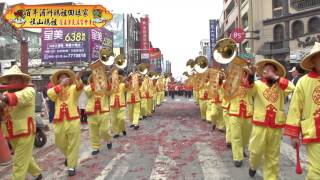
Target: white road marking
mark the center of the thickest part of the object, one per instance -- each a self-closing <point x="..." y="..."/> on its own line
<point x="212" y="165"/>
<point x="178" y="100"/>
<point x="113" y="163"/>
<point x="162" y="166"/>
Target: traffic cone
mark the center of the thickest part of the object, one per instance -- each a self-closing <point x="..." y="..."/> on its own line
<point x="5" y="156"/>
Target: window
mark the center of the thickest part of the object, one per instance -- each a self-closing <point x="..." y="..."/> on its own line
<point x="230" y="8"/>
<point x="276" y="3"/>
<point x="278" y="32"/>
<point x="314" y="25"/>
<point x="297" y="29"/>
<point x="244" y="20"/>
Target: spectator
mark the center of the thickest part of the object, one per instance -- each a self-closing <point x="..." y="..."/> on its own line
<point x="51" y="106"/>
<point x="82" y="106"/>
<point x="296" y="72"/>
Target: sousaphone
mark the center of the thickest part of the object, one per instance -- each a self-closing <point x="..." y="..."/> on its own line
<point x="225" y="52"/>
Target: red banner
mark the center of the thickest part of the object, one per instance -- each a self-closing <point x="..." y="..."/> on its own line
<point x="144" y="33"/>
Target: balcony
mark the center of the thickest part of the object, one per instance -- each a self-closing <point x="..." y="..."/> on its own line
<point x="304" y="4"/>
<point x="278" y="12"/>
<point x="276" y="47"/>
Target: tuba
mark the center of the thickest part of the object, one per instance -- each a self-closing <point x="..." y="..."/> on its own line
<point x="225" y="52"/>
<point x="105" y="56"/>
<point x="99" y="70"/>
<point x="120" y="61"/>
<point x="201" y="64"/>
<point x="142" y="68"/>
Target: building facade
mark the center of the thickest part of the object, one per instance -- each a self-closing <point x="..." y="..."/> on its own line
<point x="133" y="42"/>
<point x="284" y="30"/>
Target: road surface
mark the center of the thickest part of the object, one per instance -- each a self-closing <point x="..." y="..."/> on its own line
<point x="173" y="144"/>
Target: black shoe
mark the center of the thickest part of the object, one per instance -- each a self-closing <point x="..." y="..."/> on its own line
<point x="71" y="172"/>
<point x="144" y="117"/>
<point x="229" y="145"/>
<point x="95" y="152"/>
<point x="252" y="172"/>
<point x="124" y="133"/>
<point x="38" y="177"/>
<point x="109" y="145"/>
<point x="66" y="162"/>
<point x="213" y="127"/>
<point x="132" y="125"/>
<point x="116" y="136"/>
<point x="140" y="119"/>
<point x="136" y="127"/>
<point x="238" y="163"/>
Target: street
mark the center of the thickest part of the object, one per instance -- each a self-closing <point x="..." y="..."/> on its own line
<point x="173" y="144"/>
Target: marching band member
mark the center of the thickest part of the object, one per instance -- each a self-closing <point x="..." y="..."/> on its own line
<point x="144" y="96"/>
<point x="98" y="110"/>
<point x="159" y="88"/>
<point x="65" y="93"/>
<point x="216" y="110"/>
<point x="204" y="100"/>
<point x="154" y="94"/>
<point x="18" y="123"/>
<point x="225" y="105"/>
<point x="163" y="88"/>
<point x="304" y="112"/>
<point x="133" y="100"/>
<point x="240" y="114"/>
<point x="269" y="117"/>
<point x="118" y="103"/>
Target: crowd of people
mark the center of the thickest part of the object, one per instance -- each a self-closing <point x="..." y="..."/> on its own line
<point x="255" y="116"/>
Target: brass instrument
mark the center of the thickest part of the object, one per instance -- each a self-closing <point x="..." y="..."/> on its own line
<point x="201" y="64"/>
<point x="99" y="70"/>
<point x="225" y="52"/>
<point x="120" y="61"/>
<point x="105" y="56"/>
<point x="142" y="68"/>
<point x="115" y="80"/>
<point x="214" y="76"/>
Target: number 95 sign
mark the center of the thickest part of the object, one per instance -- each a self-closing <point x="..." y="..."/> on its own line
<point x="238" y="35"/>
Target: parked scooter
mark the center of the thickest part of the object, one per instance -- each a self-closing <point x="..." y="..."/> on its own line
<point x="41" y="137"/>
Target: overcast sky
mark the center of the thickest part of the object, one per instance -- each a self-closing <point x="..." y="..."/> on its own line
<point x="176" y="26"/>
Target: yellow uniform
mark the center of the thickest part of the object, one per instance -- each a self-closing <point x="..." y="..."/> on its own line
<point x="67" y="121"/>
<point x="133" y="101"/>
<point x="152" y="94"/>
<point x="159" y="88"/>
<point x="268" y="119"/>
<point x="19" y="128"/>
<point x="163" y="88"/>
<point x="225" y="113"/>
<point x="118" y="109"/>
<point x="145" y="95"/>
<point x="216" y="110"/>
<point x="98" y="116"/>
<point x="205" y="104"/>
<point x="304" y="118"/>
<point x="240" y="115"/>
